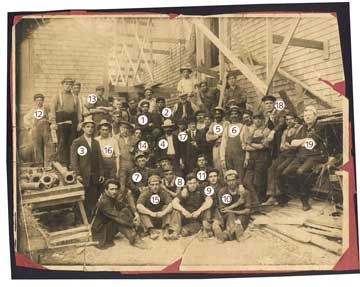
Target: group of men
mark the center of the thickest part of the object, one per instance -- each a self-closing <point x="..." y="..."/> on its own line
<point x="194" y="167"/>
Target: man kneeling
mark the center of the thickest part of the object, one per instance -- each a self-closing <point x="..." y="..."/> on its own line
<point x="154" y="206"/>
<point x="232" y="216"/>
<point x="113" y="216"/>
<point x="191" y="206"/>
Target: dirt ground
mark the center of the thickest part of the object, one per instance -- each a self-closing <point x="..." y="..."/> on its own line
<point x="257" y="250"/>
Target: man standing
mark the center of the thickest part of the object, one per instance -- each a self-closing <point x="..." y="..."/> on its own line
<point x="209" y="97"/>
<point x="87" y="162"/>
<point x="311" y="144"/>
<point x="184" y="109"/>
<point x="132" y="110"/>
<point x="214" y="135"/>
<point x="187" y="84"/>
<point x="233" y="215"/>
<point x="232" y="155"/>
<point x="275" y="121"/>
<point x="37" y="122"/>
<point x="286" y="156"/>
<point x="148" y="95"/>
<point x="109" y="150"/>
<point x="113" y="215"/>
<point x="76" y="92"/>
<point x="233" y="92"/>
<point x="154" y="206"/>
<point x="99" y="108"/>
<point x="126" y="144"/>
<point x="65" y="115"/>
<point x="173" y="151"/>
<point x="191" y="209"/>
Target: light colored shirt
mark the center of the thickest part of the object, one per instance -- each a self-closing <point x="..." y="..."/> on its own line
<point x="110" y="141"/>
<point x="186" y="85"/>
<point x="171" y="148"/>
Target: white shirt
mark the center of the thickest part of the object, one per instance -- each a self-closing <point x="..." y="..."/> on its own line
<point x="186" y="85"/>
<point x="171" y="148"/>
<point x="110" y="141"/>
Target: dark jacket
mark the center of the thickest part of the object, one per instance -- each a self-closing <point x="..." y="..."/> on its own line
<point x="90" y="165"/>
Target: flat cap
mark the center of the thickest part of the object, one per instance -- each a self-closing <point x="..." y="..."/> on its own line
<point x="67" y="79"/>
<point x="230" y="172"/>
<point x="268" y="98"/>
<point x="38" y="96"/>
<point x="100" y="87"/>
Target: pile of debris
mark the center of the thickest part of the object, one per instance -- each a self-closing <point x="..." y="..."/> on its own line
<point x="295" y="226"/>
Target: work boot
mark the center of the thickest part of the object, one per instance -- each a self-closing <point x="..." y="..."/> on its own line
<point x="271" y="201"/>
<point x="153" y="234"/>
<point x="139" y="243"/>
<point x="239" y="231"/>
<point x="305" y="204"/>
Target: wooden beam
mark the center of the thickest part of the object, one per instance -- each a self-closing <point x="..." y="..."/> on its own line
<point x="298" y="42"/>
<point x="143" y="54"/>
<point x="136" y="77"/>
<point x="269" y="48"/>
<point x="207" y="71"/>
<point x="312" y="93"/>
<point x="157" y="39"/>
<point x="282" y="51"/>
<point x="258" y="84"/>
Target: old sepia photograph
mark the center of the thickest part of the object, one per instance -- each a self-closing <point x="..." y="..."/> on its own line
<point x="212" y="143"/>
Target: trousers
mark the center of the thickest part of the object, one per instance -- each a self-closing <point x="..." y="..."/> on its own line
<point x="274" y="172"/>
<point x="300" y="168"/>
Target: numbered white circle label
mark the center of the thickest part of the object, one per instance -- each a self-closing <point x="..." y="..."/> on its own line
<point x="163" y="144"/>
<point x="136" y="177"/>
<point x="209" y="190"/>
<point x="82" y="150"/>
<point x="155" y="199"/>
<point x="179" y="182"/>
<point x="310" y="144"/>
<point x="143" y="145"/>
<point x="279" y="105"/>
<point x="108" y="150"/>
<point x="183" y="136"/>
<point x="92" y="99"/>
<point x="166" y="112"/>
<point x="201" y="175"/>
<point x="234" y="131"/>
<point x="218" y="129"/>
<point x="143" y="120"/>
<point x="226" y="198"/>
<point x="39" y="114"/>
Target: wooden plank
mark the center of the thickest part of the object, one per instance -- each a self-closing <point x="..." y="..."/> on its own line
<point x="78" y="235"/>
<point x="281" y="52"/>
<point x="53" y="197"/>
<point x="258" y="84"/>
<point x="68" y="231"/>
<point x="328" y="223"/>
<point x="83" y="213"/>
<point x="58" y="202"/>
<point x="298" y="42"/>
<point x="269" y="48"/>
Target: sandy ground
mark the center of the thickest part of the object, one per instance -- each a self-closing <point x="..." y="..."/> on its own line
<point x="258" y="250"/>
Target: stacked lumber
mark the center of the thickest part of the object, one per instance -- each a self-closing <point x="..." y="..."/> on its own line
<point x="296" y="227"/>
